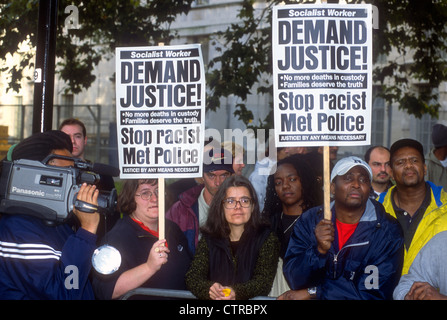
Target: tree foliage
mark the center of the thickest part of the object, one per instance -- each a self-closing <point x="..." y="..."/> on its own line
<point x="410" y="44"/>
<point x="245" y="62"/>
<point x="103" y="25"/>
<point x="413" y="36"/>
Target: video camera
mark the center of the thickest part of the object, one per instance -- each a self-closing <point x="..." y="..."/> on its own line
<point x="49" y="192"/>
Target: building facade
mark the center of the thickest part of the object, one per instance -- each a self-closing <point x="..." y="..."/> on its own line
<point x="96" y="106"/>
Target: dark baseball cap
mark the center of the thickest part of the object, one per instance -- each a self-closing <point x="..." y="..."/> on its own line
<point x="402" y="143"/>
<point x="218" y="159"/>
<point x="439" y="135"/>
<point x="39" y="145"/>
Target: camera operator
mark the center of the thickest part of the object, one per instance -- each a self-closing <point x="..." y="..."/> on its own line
<point x="39" y="260"/>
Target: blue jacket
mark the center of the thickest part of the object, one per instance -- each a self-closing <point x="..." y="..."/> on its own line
<point x="43" y="262"/>
<point x="367" y="267"/>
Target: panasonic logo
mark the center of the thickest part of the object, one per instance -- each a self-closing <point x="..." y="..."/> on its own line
<point x="28" y="192"/>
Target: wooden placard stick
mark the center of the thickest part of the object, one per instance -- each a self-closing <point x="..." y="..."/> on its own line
<point x="161" y="208"/>
<point x="327" y="183"/>
<point x="161" y="198"/>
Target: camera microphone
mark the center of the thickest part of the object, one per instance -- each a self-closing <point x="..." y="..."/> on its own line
<point x="105" y="170"/>
<point x="99" y="168"/>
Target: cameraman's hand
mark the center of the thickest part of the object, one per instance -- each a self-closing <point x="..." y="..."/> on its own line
<point x="89" y="194"/>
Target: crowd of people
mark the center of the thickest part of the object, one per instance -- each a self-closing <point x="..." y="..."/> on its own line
<point x="228" y="236"/>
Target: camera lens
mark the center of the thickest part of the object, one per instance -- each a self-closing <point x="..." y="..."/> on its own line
<point x="107" y="201"/>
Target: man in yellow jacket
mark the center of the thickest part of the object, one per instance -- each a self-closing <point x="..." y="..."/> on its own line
<point x="414" y="201"/>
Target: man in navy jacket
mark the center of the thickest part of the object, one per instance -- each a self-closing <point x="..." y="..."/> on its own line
<point x="358" y="254"/>
<point x="38" y="260"/>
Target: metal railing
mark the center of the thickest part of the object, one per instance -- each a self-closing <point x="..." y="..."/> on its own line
<point x="175" y="294"/>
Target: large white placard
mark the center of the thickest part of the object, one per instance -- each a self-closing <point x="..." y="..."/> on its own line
<point x="160" y="110"/>
<point x="322" y="73"/>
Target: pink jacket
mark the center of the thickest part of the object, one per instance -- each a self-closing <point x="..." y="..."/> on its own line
<point x="185" y="213"/>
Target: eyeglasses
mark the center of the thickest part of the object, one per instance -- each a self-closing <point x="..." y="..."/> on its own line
<point x="146" y="195"/>
<point x="231" y="203"/>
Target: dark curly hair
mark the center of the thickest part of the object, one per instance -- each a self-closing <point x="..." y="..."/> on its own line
<point x="311" y="190"/>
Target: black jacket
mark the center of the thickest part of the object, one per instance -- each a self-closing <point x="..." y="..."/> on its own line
<point x="134" y="244"/>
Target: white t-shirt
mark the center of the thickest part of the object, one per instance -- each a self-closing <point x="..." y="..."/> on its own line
<point x="203" y="209"/>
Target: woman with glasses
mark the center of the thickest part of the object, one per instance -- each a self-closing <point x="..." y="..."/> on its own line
<point x="146" y="261"/>
<point x="236" y="257"/>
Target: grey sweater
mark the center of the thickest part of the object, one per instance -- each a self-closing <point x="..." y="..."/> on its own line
<point x="436" y="172"/>
<point x="430" y="265"/>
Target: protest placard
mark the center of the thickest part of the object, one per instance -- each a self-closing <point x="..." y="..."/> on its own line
<point x="160" y="110"/>
<point x="322" y="71"/>
<point x="160" y="99"/>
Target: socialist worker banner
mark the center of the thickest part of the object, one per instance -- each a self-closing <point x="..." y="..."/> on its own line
<point x="160" y="110"/>
<point x="322" y="73"/>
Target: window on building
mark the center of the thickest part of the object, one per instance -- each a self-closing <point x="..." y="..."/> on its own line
<point x="420" y="129"/>
<point x="378" y="120"/>
<point x="198" y="3"/>
<point x="67" y="105"/>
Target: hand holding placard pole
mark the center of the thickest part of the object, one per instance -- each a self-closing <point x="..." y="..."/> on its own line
<point x="161" y="208"/>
